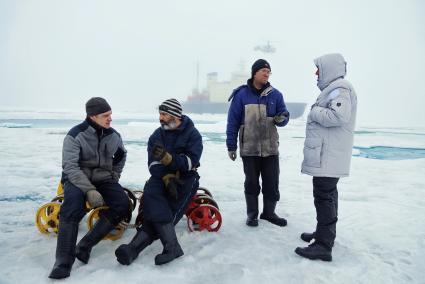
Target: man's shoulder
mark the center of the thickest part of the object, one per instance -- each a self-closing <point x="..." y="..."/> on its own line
<point x="237" y="91"/>
<point x="114" y="131"/>
<point x="156" y="133"/>
<point x="77" y="129"/>
<point x="276" y="91"/>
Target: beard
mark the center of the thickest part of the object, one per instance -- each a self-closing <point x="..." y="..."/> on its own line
<point x="170" y="125"/>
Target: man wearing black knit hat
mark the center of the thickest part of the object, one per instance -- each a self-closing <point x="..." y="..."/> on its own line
<point x="93" y="158"/>
<point x="255" y="111"/>
<point x="174" y="151"/>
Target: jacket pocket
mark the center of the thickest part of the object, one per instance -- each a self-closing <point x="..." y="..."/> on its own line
<point x="312" y="152"/>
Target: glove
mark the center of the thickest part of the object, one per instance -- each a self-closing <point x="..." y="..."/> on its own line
<point x="279" y="118"/>
<point x="232" y="155"/>
<point x="172" y="184"/>
<point x="94" y="198"/>
<point x="160" y="154"/>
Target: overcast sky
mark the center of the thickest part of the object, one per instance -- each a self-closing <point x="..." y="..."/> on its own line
<point x="57" y="54"/>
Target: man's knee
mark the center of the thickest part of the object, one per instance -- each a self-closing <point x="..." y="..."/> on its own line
<point x="73" y="206"/>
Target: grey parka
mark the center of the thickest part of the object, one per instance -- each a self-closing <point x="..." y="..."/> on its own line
<point x="90" y="156"/>
<point x="331" y="121"/>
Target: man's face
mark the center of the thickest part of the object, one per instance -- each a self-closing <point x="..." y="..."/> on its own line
<point x="262" y="76"/>
<point x="167" y="121"/>
<point x="317" y="73"/>
<point x="103" y="119"/>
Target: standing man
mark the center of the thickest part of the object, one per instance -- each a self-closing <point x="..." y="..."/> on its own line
<point x="327" y="150"/>
<point x="256" y="109"/>
<point x="93" y="158"/>
<point x="174" y="151"/>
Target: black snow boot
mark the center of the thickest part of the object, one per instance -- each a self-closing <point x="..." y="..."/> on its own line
<point x="172" y="249"/>
<point x="65" y="250"/>
<point x="126" y="254"/>
<point x="315" y="251"/>
<point x="307" y="237"/>
<point x="102" y="227"/>
<point x="251" y="210"/>
<point x="269" y="214"/>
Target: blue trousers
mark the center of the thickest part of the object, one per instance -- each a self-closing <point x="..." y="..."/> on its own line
<point x="159" y="208"/>
<point x="74" y="204"/>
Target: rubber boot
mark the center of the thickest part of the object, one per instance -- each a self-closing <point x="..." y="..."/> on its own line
<point x="102" y="227"/>
<point x="65" y="250"/>
<point x="307" y="237"/>
<point x="251" y="210"/>
<point x="269" y="214"/>
<point x="315" y="251"/>
<point x="172" y="249"/>
<point x="126" y="254"/>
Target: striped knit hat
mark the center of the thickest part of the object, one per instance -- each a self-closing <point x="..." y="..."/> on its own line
<point x="172" y="107"/>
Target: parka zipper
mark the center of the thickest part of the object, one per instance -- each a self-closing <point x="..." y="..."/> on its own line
<point x="99" y="137"/>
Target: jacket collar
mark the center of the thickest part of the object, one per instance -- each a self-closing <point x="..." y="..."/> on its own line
<point x="256" y="91"/>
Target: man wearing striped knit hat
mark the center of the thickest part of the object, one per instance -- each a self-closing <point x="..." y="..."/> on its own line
<point x="174" y="151"/>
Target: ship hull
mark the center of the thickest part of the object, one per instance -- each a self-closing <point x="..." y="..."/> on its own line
<point x="295" y="109"/>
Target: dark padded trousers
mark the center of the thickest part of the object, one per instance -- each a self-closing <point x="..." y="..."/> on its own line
<point x="74" y="204"/>
<point x="268" y="168"/>
<point x="158" y="208"/>
<point x="325" y="194"/>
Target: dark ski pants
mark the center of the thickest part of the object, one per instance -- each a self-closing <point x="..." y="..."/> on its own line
<point x="73" y="207"/>
<point x="268" y="168"/>
<point x="325" y="194"/>
<point x="159" y="208"/>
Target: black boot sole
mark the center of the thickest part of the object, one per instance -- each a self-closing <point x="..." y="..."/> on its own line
<point x="276" y="222"/>
<point x="179" y="254"/>
<point x="313" y="257"/>
<point x="82" y="256"/>
<point x="252" y="222"/>
<point x="123" y="257"/>
<point x="60" y="273"/>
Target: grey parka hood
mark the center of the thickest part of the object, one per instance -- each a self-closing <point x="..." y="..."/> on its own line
<point x="331" y="67"/>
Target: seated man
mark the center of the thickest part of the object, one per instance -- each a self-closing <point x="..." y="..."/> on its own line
<point x="174" y="151"/>
<point x="93" y="158"/>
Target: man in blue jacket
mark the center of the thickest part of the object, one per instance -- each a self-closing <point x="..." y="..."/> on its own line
<point x="255" y="111"/>
<point x="93" y="158"/>
<point x="174" y="151"/>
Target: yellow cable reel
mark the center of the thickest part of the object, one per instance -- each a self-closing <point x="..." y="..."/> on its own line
<point x="115" y="234"/>
<point x="47" y="218"/>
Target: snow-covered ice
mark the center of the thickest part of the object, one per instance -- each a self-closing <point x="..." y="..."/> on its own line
<point x="380" y="232"/>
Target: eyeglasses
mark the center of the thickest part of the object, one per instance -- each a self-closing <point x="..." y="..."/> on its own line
<point x="266" y="71"/>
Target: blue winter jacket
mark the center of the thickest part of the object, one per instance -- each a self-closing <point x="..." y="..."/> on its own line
<point x="251" y="115"/>
<point x="183" y="143"/>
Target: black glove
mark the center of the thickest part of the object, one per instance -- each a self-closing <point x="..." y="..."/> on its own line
<point x="160" y="153"/>
<point x="281" y="117"/>
<point x="172" y="184"/>
<point x="232" y="155"/>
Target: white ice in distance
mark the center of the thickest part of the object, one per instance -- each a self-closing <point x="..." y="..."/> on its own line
<point x="380" y="232"/>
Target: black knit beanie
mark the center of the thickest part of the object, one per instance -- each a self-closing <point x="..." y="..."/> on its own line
<point x="259" y="64"/>
<point x="172" y="107"/>
<point x="96" y="106"/>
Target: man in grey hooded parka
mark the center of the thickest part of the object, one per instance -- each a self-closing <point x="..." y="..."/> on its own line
<point x="327" y="150"/>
